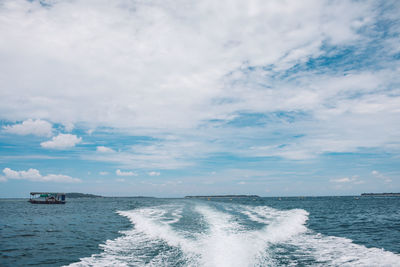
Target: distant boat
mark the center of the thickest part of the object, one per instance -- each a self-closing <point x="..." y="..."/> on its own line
<point x="47" y="198"/>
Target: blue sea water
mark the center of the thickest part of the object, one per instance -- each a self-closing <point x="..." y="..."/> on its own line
<point x="310" y="231"/>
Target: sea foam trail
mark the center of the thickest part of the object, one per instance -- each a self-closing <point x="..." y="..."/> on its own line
<point x="325" y="250"/>
<point x="145" y="243"/>
<point x="227" y="243"/>
<point x="337" y="251"/>
<point x="280" y="224"/>
<point x="233" y="235"/>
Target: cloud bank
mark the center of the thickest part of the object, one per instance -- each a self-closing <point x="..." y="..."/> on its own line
<point x="34" y="127"/>
<point x="35" y="176"/>
<point x="171" y="60"/>
<point x="167" y="85"/>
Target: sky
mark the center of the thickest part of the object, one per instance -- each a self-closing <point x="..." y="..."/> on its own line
<point x="172" y="98"/>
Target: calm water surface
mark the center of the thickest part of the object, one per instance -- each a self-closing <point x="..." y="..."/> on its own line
<point x="316" y="231"/>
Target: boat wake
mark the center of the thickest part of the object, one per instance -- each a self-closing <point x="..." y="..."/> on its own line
<point x="218" y="234"/>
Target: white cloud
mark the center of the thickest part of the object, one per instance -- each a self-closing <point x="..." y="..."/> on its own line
<point x="153" y="173"/>
<point x="34" y="127"/>
<point x="381" y="176"/>
<point x="175" y="77"/>
<point x="354" y="180"/>
<point x="172" y="66"/>
<point x="341" y="180"/>
<point x="103" y="173"/>
<point x="62" y="141"/>
<point x="104" y="149"/>
<point x="166" y="153"/>
<point x="128" y="173"/>
<point x="34" y="175"/>
<point x="121" y="180"/>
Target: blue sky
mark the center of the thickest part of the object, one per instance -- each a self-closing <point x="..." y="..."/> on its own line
<point x="175" y="98"/>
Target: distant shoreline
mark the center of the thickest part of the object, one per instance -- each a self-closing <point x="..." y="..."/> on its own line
<point x="83" y="195"/>
<point x="80" y="195"/>
<point x="225" y="196"/>
<point x="380" y="194"/>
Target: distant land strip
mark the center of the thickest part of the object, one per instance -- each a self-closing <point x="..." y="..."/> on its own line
<point x="83" y="195"/>
<point x="380" y="194"/>
<point x="225" y="196"/>
<point x="79" y="195"/>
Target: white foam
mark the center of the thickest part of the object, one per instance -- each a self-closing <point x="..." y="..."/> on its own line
<point x="152" y="227"/>
<point x="279" y="224"/>
<point x="156" y="226"/>
<point x="289" y="227"/>
<point x="229" y="241"/>
<point x="337" y="251"/>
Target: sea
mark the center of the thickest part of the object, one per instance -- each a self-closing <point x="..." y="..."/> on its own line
<point x="286" y="231"/>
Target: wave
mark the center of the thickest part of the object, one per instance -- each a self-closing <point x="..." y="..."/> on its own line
<point x="229" y="235"/>
<point x="315" y="248"/>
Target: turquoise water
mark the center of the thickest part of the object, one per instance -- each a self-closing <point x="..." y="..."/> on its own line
<point x="317" y="231"/>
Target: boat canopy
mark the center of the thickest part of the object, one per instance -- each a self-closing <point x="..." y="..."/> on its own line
<point x="46" y="194"/>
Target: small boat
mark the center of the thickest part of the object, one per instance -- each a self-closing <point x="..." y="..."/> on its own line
<point x="47" y="198"/>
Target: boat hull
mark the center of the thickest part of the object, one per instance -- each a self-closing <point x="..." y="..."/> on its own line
<point x="46" y="202"/>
